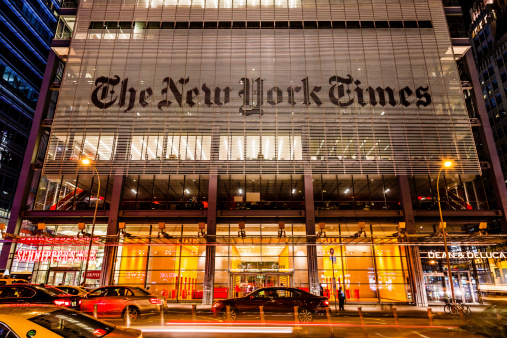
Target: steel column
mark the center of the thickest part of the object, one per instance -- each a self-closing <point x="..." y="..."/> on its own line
<point x="211" y="231"/>
<point x="406" y="204"/>
<point x="313" y="272"/>
<point x="112" y="229"/>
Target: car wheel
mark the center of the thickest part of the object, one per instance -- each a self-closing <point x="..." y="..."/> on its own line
<point x="133" y="312"/>
<point x="233" y="314"/>
<point x="305" y="316"/>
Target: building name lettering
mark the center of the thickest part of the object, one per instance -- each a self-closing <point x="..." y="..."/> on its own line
<point x="467" y="254"/>
<point x="55" y="255"/>
<point x="343" y="92"/>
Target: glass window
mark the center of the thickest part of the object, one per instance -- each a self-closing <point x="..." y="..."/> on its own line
<point x="72" y="324"/>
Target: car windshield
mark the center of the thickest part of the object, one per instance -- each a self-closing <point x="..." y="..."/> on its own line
<point x="52" y="291"/>
<point x="140" y="292"/>
<point x="71" y="324"/>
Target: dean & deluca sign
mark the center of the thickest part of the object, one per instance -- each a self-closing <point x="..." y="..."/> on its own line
<point x="466" y="254"/>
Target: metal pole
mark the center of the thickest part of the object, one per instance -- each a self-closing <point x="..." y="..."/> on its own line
<point x="93" y="226"/>
<point x="335" y="293"/>
<point x="445" y="236"/>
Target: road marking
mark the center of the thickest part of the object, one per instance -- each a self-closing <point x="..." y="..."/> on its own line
<point x="378" y="334"/>
<point x="417" y="333"/>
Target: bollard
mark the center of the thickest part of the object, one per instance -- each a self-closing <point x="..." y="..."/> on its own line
<point x="296" y="318"/>
<point x="162" y="321"/>
<point x="194" y="311"/>
<point x="361" y="315"/>
<point x="430" y="316"/>
<point x="328" y="314"/>
<point x="95" y="310"/>
<point x="395" y="317"/>
<point x="462" y="314"/>
<point x="228" y="313"/>
<point x="127" y="316"/>
<point x="261" y="309"/>
<point x="498" y="316"/>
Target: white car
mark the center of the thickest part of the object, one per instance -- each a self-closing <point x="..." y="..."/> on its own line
<point x="39" y="321"/>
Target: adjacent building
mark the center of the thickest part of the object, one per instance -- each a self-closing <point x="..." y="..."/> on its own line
<point x="233" y="145"/>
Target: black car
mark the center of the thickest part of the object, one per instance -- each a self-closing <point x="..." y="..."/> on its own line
<point x="37" y="294"/>
<point x="280" y="300"/>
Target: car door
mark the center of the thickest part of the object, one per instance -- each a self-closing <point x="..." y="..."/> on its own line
<point x="117" y="299"/>
<point x="95" y="297"/>
<point x="252" y="303"/>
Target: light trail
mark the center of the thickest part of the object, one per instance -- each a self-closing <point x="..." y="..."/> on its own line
<point x="220" y="329"/>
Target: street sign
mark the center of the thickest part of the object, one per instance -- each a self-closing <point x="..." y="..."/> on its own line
<point x="331" y="251"/>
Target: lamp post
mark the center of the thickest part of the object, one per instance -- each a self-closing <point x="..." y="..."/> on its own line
<point x="88" y="162"/>
<point x="446" y="164"/>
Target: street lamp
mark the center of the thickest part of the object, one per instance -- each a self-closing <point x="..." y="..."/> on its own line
<point x="447" y="164"/>
<point x="86" y="161"/>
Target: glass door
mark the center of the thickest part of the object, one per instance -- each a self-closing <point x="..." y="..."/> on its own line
<point x="70" y="277"/>
<point x="58" y="278"/>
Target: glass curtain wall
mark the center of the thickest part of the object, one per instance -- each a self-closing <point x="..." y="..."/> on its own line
<point x="174" y="271"/>
<point x="366" y="272"/>
<point x="55" y="271"/>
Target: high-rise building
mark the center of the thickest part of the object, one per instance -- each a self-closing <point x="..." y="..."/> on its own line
<point x="27" y="28"/>
<point x="207" y="148"/>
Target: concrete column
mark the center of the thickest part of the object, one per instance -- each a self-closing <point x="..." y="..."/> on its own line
<point x="211" y="231"/>
<point x="406" y="204"/>
<point x="496" y="177"/>
<point x="26" y="174"/>
<point x="415" y="266"/>
<point x="112" y="228"/>
<point x="313" y="271"/>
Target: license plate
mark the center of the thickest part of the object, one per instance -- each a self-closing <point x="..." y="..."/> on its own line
<point x="74" y="303"/>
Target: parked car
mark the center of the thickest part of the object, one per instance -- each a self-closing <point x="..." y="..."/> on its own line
<point x="48" y="321"/>
<point x="37" y="294"/>
<point x="112" y="302"/>
<point x="8" y="281"/>
<point x="280" y="300"/>
<point x="73" y="290"/>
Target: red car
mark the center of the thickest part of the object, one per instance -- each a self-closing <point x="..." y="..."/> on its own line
<point x="112" y="302"/>
<point x="37" y="294"/>
<point x="274" y="300"/>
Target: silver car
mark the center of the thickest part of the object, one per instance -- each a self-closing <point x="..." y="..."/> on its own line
<point x="112" y="302"/>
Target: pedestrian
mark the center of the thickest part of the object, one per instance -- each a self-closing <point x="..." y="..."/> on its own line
<point x="237" y="289"/>
<point x="341" y="298"/>
<point x="321" y="290"/>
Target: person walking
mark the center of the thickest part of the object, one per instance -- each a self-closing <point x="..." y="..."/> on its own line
<point x="341" y="298"/>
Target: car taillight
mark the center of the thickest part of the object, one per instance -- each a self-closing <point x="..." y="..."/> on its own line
<point x="325" y="302"/>
<point x="99" y="332"/>
<point x="80" y="302"/>
<point x="59" y="302"/>
<point x="155" y="301"/>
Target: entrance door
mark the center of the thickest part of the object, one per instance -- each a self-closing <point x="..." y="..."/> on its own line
<point x="62" y="277"/>
<point x="464" y="289"/>
<point x="243" y="283"/>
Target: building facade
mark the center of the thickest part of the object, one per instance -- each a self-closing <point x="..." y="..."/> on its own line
<point x="237" y="144"/>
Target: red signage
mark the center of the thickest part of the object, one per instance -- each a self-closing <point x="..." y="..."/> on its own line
<point x="93" y="274"/>
<point x="55" y="255"/>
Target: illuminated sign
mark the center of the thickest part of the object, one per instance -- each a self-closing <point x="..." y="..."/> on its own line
<point x="252" y="92"/>
<point x="467" y="254"/>
<point x="93" y="274"/>
<point x="55" y="255"/>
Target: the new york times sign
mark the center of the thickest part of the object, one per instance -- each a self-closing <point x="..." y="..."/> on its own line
<point x="255" y="93"/>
